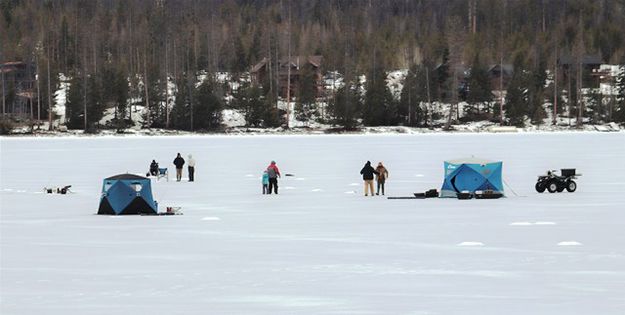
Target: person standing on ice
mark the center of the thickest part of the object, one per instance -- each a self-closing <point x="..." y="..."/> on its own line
<point x="179" y="162"/>
<point x="274" y="173"/>
<point x="265" y="182"/>
<point x="191" y="167"/>
<point x="381" y="177"/>
<point x="367" y="175"/>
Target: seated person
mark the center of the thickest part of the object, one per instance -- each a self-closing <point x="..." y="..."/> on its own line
<point x="154" y="168"/>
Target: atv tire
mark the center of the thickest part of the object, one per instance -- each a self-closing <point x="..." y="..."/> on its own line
<point x="552" y="187"/>
<point x="571" y="186"/>
<point x="540" y="187"/>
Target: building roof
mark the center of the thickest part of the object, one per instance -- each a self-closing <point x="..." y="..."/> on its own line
<point x="11" y="66"/>
<point x="568" y="59"/>
<point x="508" y="69"/>
<point x="13" y="63"/>
<point x="314" y="60"/>
<point x="259" y="65"/>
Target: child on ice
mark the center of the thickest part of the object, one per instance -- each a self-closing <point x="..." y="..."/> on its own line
<point x="265" y="182"/>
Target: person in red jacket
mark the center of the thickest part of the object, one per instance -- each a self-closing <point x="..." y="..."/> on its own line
<point x="274" y="173"/>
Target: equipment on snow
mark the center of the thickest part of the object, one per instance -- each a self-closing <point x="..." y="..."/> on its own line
<point x="63" y="190"/>
<point x="168" y="211"/>
<point x="464" y="195"/>
<point x="432" y="193"/>
<point x="162" y="172"/>
<point x="487" y="194"/>
<point x="557" y="183"/>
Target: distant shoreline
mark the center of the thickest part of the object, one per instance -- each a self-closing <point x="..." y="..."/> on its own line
<point x="315" y="132"/>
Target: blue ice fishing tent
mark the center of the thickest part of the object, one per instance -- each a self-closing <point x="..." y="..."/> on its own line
<point x="471" y="174"/>
<point x="127" y="194"/>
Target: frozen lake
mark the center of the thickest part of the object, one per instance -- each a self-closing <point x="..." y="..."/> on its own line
<point x="320" y="247"/>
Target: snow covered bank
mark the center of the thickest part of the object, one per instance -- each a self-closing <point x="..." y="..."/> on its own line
<point x="235" y="126"/>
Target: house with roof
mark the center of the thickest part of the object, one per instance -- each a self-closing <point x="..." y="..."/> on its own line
<point x="18" y="88"/>
<point x="500" y="76"/>
<point x="589" y="64"/>
<point x="261" y="71"/>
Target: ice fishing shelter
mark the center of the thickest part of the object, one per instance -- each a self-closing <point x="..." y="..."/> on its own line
<point x="127" y="194"/>
<point x="471" y="174"/>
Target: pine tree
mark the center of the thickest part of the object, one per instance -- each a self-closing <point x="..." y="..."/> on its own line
<point x="121" y="100"/>
<point x="272" y="116"/>
<point x="379" y="106"/>
<point x="443" y="78"/>
<point x="95" y="104"/>
<point x="207" y="110"/>
<point x="345" y="107"/>
<point x="305" y="108"/>
<point x="515" y="107"/>
<point x="479" y="90"/>
<point x="156" y="94"/>
<point x="43" y="83"/>
<point x="239" y="61"/>
<point x="247" y="98"/>
<point x="255" y="47"/>
<point x="536" y="93"/>
<point x="108" y="80"/>
<point x="182" y="106"/>
<point x="256" y="107"/>
<point x="74" y="108"/>
<point x="594" y="107"/>
<point x="413" y="94"/>
<point x="66" y="45"/>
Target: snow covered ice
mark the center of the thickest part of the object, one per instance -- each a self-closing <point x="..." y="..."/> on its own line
<point x="320" y="247"/>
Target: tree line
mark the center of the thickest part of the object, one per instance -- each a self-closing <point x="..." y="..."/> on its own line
<point x="124" y="53"/>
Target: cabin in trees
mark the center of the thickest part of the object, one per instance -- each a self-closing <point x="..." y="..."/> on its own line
<point x="588" y="64"/>
<point x="19" y="88"/>
<point x="262" y="71"/>
<point x="500" y="76"/>
<point x="607" y="76"/>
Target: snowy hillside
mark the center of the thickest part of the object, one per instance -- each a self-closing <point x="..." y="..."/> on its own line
<point x="319" y="247"/>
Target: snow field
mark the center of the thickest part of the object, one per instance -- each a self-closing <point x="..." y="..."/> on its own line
<point x="319" y="247"/>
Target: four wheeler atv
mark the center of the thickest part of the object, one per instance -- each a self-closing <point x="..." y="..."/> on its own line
<point x="557" y="183"/>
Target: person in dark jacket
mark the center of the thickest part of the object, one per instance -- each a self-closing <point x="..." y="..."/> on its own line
<point x="179" y="162"/>
<point x="367" y="173"/>
<point x="274" y="173"/>
<point x="191" y="167"/>
<point x="153" y="168"/>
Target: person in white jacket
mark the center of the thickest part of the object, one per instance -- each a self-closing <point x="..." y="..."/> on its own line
<point x="191" y="167"/>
